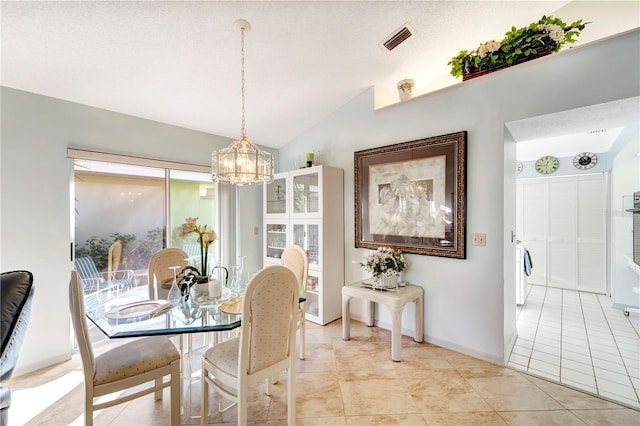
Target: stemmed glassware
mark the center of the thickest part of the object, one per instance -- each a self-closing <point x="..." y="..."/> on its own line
<point x="174" y="295"/>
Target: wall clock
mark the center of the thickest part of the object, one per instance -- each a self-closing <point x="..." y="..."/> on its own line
<point x="518" y="167"/>
<point x="585" y="160"/>
<point x="547" y="164"/>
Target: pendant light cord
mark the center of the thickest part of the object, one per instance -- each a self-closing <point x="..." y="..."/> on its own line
<point x="243" y="132"/>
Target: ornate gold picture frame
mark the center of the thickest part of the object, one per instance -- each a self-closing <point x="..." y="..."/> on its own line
<point x="411" y="196"/>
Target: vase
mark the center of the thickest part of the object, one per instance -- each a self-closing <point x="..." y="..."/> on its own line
<point x="385" y="282"/>
<point x="405" y="89"/>
<point x="542" y="51"/>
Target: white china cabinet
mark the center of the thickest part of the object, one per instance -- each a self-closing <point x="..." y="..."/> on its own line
<point x="305" y="207"/>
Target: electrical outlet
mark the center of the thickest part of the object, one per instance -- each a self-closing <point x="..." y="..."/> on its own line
<point x="479" y="239"/>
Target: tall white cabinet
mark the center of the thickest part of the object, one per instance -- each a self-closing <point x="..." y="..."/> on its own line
<point x="562" y="222"/>
<point x="305" y="207"/>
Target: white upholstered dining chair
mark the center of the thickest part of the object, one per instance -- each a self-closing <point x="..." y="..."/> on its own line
<point x="159" y="271"/>
<point x="296" y="259"/>
<point x="145" y="360"/>
<point x="265" y="347"/>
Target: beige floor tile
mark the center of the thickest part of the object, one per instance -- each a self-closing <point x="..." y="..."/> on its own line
<point x="443" y="391"/>
<point x="506" y="393"/>
<point x="375" y="392"/>
<point x="388" y="420"/>
<point x="570" y="398"/>
<point x="542" y="418"/>
<point x="617" y="417"/>
<point x="343" y="383"/>
<point x="464" y="419"/>
<point x="319" y="357"/>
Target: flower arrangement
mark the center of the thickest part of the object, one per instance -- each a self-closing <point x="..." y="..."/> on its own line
<point x="547" y="35"/>
<point x="205" y="238"/>
<point x="384" y="261"/>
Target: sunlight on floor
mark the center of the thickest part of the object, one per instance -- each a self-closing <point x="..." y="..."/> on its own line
<point x="28" y="403"/>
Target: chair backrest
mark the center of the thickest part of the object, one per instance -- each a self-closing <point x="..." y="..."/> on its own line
<point x="16" y="298"/>
<point x="79" y="320"/>
<point x="115" y="253"/>
<point x="86" y="268"/>
<point x="269" y="318"/>
<point x="296" y="259"/>
<point x="159" y="271"/>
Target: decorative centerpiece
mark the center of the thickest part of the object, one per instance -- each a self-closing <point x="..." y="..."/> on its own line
<point x="205" y="238"/>
<point x="385" y="264"/>
<point x="540" y="38"/>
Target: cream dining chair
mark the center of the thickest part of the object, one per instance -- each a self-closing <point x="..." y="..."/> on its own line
<point x="146" y="360"/>
<point x="296" y="259"/>
<point x="160" y="273"/>
<point x="265" y="347"/>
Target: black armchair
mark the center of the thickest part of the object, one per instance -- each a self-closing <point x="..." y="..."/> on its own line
<point x="15" y="298"/>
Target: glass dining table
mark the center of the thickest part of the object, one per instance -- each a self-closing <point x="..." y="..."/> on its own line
<point x="198" y="323"/>
<point x="132" y="314"/>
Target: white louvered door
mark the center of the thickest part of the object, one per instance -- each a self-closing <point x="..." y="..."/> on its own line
<point x="562" y="222"/>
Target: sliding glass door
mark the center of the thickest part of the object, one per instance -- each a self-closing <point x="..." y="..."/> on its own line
<point x="143" y="208"/>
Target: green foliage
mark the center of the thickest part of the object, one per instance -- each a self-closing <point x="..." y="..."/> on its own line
<point x="548" y="33"/>
<point x="134" y="256"/>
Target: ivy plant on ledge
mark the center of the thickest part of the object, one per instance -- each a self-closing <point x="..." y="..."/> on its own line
<point x="540" y="38"/>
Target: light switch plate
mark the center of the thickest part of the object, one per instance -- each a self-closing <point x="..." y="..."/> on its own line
<point x="479" y="239"/>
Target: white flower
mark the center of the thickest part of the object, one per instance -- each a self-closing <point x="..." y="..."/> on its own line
<point x="556" y="33"/>
<point x="384" y="260"/>
<point x="488" y="47"/>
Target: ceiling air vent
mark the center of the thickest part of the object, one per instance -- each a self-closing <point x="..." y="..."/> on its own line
<point x="398" y="37"/>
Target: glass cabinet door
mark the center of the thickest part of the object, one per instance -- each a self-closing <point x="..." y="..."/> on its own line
<point x="305" y="193"/>
<point x="276" y="197"/>
<point x="275" y="240"/>
<point x="312" y="294"/>
<point x="307" y="236"/>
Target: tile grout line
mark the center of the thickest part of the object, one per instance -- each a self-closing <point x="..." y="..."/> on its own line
<point x="586" y="331"/>
<point x="535" y="335"/>
<point x="618" y="349"/>
<point x="561" y="334"/>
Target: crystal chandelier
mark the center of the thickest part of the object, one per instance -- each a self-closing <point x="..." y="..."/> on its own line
<point x="242" y="163"/>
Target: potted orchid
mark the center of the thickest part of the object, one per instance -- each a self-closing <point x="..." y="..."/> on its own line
<point x="205" y="239"/>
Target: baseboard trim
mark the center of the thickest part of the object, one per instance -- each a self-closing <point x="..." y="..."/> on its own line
<point x="441" y="342"/>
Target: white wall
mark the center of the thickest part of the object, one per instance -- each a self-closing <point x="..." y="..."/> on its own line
<point x="35" y="210"/>
<point x="465" y="299"/>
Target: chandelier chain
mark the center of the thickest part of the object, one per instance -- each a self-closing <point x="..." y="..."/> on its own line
<point x="242" y="130"/>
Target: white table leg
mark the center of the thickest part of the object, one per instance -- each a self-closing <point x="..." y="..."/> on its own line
<point x="396" y="333"/>
<point x="346" y="317"/>
<point x="419" y="333"/>
<point x="369" y="313"/>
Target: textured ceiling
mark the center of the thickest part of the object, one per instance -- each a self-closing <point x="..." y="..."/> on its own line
<point x="179" y="62"/>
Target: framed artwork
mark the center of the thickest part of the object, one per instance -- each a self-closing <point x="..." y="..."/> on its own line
<point x="411" y="196"/>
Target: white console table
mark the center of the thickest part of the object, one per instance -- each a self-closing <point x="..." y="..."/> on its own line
<point x="395" y="301"/>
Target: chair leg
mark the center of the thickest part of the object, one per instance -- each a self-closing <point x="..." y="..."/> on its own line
<point x="291" y="394"/>
<point x="158" y="393"/>
<point x="302" y="335"/>
<point x="204" y="405"/>
<point x="242" y="406"/>
<point x="176" y="400"/>
<point x="88" y="410"/>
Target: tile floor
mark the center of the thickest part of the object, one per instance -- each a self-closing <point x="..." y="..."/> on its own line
<point x="348" y="383"/>
<point x="576" y="338"/>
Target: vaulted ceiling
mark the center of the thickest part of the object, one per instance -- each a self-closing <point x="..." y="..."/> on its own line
<point x="179" y="62"/>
